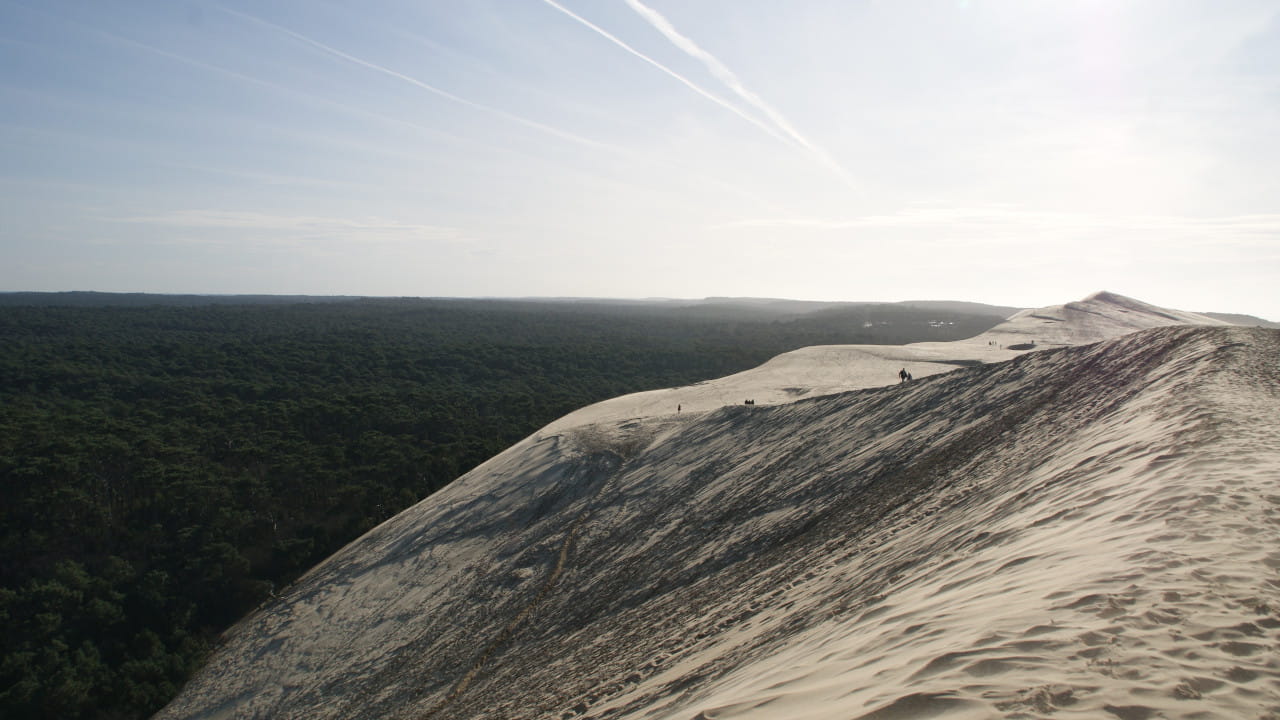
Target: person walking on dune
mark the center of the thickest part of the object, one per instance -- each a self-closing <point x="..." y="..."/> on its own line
<point x="902" y="375"/>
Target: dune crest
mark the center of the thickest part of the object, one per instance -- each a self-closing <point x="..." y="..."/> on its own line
<point x="1084" y="532"/>
<point x="828" y="369"/>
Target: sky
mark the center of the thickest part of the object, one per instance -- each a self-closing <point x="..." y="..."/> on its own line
<point x="1016" y="152"/>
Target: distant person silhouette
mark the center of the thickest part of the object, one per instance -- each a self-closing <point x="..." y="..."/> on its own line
<point x="902" y="375"/>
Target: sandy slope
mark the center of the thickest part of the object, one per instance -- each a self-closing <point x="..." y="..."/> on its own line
<point x="1121" y="563"/>
<point x="1087" y="532"/>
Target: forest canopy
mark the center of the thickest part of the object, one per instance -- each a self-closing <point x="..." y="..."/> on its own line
<point x="167" y="468"/>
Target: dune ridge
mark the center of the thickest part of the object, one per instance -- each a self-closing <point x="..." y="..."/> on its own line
<point x="1081" y="532"/>
<point x="826" y="369"/>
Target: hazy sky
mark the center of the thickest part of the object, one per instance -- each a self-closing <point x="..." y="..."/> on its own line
<point x="1020" y="152"/>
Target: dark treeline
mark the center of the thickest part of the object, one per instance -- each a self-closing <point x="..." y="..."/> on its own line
<point x="166" y="469"/>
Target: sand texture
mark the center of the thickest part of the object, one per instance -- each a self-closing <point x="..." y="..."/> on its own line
<point x="1083" y="532"/>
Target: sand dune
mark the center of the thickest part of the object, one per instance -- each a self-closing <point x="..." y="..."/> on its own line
<point x="1083" y="532"/>
<point x="827" y="369"/>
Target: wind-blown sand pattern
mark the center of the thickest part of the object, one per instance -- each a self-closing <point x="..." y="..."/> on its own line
<point x="1084" y="532"/>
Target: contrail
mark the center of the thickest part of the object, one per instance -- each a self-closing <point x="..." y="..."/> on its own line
<point x="682" y="79"/>
<point x="624" y="152"/>
<point x="421" y="85"/>
<point x="296" y="93"/>
<point x="717" y="68"/>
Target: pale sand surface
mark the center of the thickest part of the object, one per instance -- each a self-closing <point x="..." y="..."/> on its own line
<point x="828" y="369"/>
<point x="1090" y="533"/>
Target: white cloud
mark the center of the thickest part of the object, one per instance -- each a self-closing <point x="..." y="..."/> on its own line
<point x="299" y="228"/>
<point x="1215" y="239"/>
<point x="996" y="216"/>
